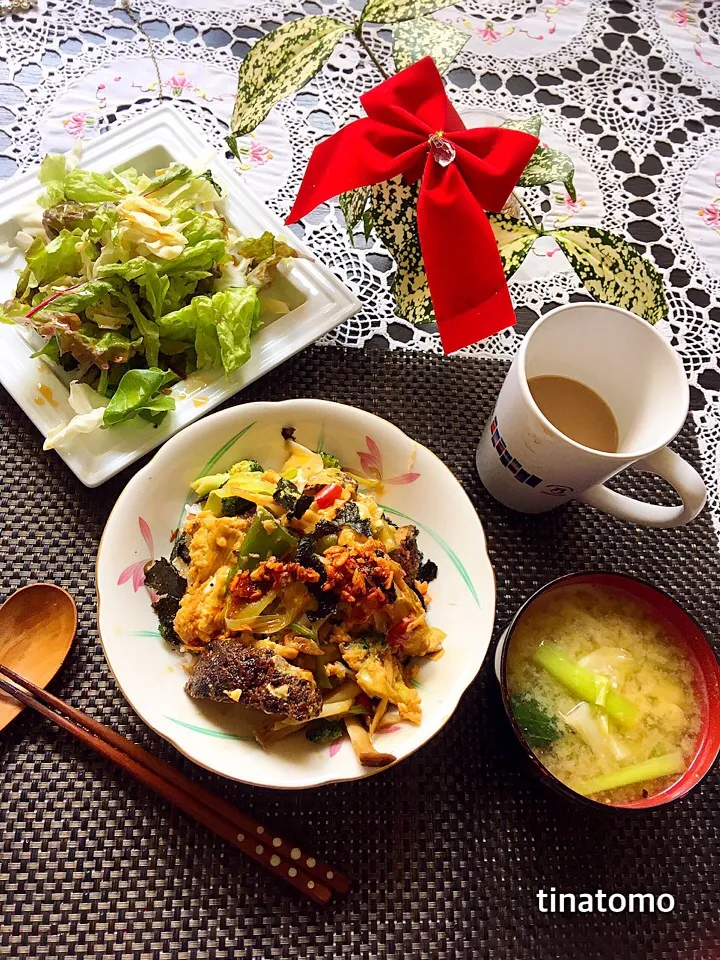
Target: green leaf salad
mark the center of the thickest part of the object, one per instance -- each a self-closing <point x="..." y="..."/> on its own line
<point x="135" y="282"/>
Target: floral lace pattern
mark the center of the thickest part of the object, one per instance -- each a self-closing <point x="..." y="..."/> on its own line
<point x="631" y="88"/>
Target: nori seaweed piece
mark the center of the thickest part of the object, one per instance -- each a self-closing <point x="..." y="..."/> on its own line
<point x="162" y="577"/>
<point x="181" y="548"/>
<point x="327" y="602"/>
<point x="349" y="516"/>
<point x="290" y="498"/>
<point x="324" y="528"/>
<point x="288" y="433"/>
<point x="165" y="580"/>
<point x="406" y="553"/>
<point x="235" y="506"/>
<point x="427" y="571"/>
<point x="305" y="550"/>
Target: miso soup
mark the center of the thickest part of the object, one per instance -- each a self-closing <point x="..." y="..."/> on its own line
<point x="603" y="692"/>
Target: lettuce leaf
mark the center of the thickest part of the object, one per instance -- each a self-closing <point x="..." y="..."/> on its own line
<point x="75" y="301"/>
<point x="154" y="289"/>
<point x="197" y="226"/>
<point x="149" y="330"/>
<point x="138" y="394"/>
<point x="221" y="326"/>
<point x="68" y="215"/>
<point x="238" y="317"/>
<point x="52" y="176"/>
<point x="58" y="258"/>
<point x="86" y="342"/>
<point x="204" y="255"/>
<point x="182" y="287"/>
<point x="175" y="172"/>
<point x="178" y="195"/>
<point x="87" y="186"/>
<point x="264" y="254"/>
<point x="89" y="408"/>
<point x="129" y="270"/>
<point x="13" y="311"/>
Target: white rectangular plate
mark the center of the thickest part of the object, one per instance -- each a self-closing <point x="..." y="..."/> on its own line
<point x="148" y="142"/>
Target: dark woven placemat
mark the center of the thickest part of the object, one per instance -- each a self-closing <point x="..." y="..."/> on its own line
<point x="448" y="850"/>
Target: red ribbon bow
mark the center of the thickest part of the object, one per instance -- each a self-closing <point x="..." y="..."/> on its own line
<point x="412" y="128"/>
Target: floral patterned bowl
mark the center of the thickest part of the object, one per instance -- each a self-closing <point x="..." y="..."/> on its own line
<point x="417" y="488"/>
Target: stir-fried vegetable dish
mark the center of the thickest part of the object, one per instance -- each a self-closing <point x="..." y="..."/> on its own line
<point x="299" y="598"/>
<point x="135" y="282"/>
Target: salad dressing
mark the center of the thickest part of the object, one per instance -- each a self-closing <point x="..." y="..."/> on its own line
<point x="46" y="395"/>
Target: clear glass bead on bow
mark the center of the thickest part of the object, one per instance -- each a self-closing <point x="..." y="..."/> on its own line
<point x="442" y="150"/>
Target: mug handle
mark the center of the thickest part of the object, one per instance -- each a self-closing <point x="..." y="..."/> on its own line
<point x="679" y="474"/>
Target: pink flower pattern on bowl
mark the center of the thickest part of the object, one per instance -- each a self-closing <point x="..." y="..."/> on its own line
<point x="136" y="571"/>
<point x="372" y="464"/>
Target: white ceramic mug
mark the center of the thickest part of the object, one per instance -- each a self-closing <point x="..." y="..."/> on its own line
<point x="528" y="464"/>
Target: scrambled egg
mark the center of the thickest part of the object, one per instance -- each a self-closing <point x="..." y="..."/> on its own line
<point x="201" y="617"/>
<point x="379" y="675"/>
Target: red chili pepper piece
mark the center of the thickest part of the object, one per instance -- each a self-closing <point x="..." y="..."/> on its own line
<point x="328" y="495"/>
<point x="397" y="634"/>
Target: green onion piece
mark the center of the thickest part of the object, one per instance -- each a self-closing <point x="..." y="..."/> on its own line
<point x="585" y="684"/>
<point x="264" y="538"/>
<point x="321" y="676"/>
<point x="302" y="631"/>
<point x="664" y="766"/>
<point x="324" y="543"/>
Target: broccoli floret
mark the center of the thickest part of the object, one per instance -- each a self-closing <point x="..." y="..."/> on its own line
<point x="329" y="460"/>
<point x="324" y="732"/>
<point x="247" y="466"/>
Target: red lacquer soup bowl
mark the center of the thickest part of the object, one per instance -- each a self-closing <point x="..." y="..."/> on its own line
<point x="706" y="684"/>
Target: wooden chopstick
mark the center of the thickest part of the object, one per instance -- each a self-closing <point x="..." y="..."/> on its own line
<point x="317" y="880"/>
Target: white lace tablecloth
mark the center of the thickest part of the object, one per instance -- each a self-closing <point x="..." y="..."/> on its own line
<point x="630" y="88"/>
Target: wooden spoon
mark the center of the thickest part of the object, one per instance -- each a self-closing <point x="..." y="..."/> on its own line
<point x="37" y="627"/>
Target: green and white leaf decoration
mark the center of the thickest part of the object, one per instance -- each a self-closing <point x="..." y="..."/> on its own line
<point x="393" y="11"/>
<point x="368" y="223"/>
<point x="549" y="166"/>
<point x="514" y="239"/>
<point x="529" y="125"/>
<point x="279" y="64"/>
<point x="352" y="204"/>
<point x="423" y="37"/>
<point x="613" y="271"/>
<point x="546" y="165"/>
<point x="394" y="209"/>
